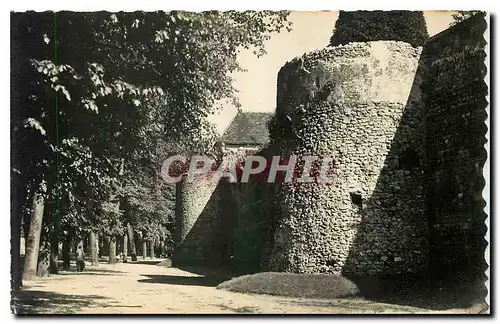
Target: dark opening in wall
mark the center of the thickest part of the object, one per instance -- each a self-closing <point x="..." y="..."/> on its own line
<point x="326" y="90"/>
<point x="408" y="160"/>
<point x="331" y="263"/>
<point x="356" y="199"/>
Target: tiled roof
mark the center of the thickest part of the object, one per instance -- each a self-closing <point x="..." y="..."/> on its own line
<point x="248" y="128"/>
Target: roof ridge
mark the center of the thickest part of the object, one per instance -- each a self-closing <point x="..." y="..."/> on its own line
<point x="248" y="127"/>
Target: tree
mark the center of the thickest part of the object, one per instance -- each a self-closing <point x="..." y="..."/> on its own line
<point x="94" y="245"/>
<point x="103" y="97"/>
<point x="131" y="239"/>
<point x="463" y="15"/>
<point x="33" y="239"/>
<point x="366" y="26"/>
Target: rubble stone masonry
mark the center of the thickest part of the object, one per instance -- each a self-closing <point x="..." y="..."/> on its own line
<point x="406" y="129"/>
<point x="360" y="104"/>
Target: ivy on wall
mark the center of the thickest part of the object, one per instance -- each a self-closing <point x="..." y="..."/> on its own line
<point x="365" y="26"/>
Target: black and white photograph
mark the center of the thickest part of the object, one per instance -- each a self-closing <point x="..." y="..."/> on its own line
<point x="249" y="162"/>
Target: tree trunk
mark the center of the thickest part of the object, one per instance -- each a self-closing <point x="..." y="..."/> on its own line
<point x="112" y="250"/>
<point x="125" y="247"/>
<point x="133" y="251"/>
<point x="66" y="252"/>
<point x="79" y="246"/>
<point x="43" y="264"/>
<point x="26" y="227"/>
<point x="17" y="242"/>
<point x="54" y="244"/>
<point x="112" y="241"/>
<point x="144" y="250"/>
<point x="101" y="246"/>
<point x="80" y="255"/>
<point x="54" y="253"/>
<point x="15" y="245"/>
<point x="72" y="246"/>
<point x="98" y="240"/>
<point x="152" y="247"/>
<point x="162" y="248"/>
<point x="119" y="246"/>
<point x="93" y="242"/>
<point x="33" y="238"/>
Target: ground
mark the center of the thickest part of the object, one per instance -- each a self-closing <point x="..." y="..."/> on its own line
<point x="127" y="288"/>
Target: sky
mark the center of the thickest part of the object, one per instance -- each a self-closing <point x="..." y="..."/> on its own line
<point x="311" y="31"/>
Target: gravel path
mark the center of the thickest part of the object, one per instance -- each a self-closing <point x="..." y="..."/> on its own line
<point x="140" y="288"/>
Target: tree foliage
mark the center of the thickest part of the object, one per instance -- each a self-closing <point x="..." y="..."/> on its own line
<point x="365" y="26"/>
<point x="463" y="15"/>
<point x="100" y="99"/>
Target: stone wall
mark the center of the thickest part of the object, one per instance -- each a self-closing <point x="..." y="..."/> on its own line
<point x="222" y="224"/>
<point x="455" y="104"/>
<point x="201" y="232"/>
<point x="253" y="226"/>
<point x="406" y="129"/>
<point x="360" y="104"/>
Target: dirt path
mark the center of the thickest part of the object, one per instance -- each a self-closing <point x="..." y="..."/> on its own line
<point x="146" y="289"/>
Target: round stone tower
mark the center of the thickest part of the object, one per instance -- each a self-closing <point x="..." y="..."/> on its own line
<point x="198" y="229"/>
<point x="360" y="104"/>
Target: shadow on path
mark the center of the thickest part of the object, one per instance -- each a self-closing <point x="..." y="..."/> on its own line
<point x="148" y="262"/>
<point x="42" y="302"/>
<point x="91" y="272"/>
<point x="427" y="294"/>
<point x="182" y="280"/>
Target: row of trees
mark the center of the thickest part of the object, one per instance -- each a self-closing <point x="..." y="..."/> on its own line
<point x="99" y="100"/>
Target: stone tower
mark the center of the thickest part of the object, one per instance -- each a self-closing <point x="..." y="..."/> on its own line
<point x="360" y="104"/>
